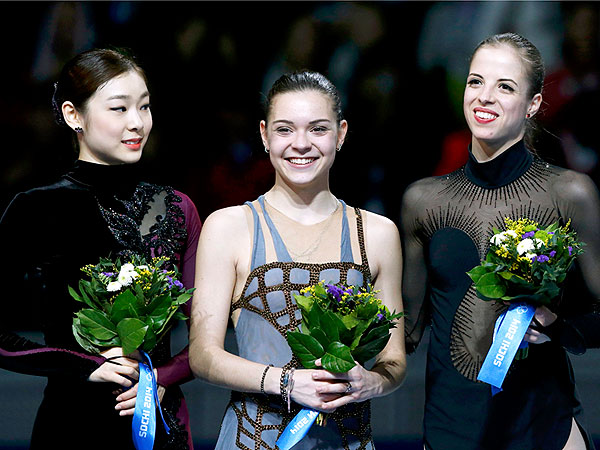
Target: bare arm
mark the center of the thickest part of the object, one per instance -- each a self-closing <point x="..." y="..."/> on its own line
<point x="385" y="257"/>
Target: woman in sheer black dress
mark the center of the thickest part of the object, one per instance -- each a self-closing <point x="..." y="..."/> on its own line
<point x="98" y="209"/>
<point x="446" y="225"/>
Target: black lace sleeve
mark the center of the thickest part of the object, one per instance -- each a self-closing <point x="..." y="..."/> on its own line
<point x="414" y="278"/>
<point x="578" y="326"/>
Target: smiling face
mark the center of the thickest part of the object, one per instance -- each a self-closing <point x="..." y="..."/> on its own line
<point x="302" y="135"/>
<point x="497" y="99"/>
<point x="116" y="121"/>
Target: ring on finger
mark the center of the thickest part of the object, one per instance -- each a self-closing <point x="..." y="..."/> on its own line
<point x="348" y="388"/>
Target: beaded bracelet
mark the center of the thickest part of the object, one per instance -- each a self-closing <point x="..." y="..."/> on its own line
<point x="283" y="384"/>
<point x="286" y="383"/>
<point x="289" y="388"/>
<point x="262" y="380"/>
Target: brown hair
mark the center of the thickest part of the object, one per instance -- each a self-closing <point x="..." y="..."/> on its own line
<point x="304" y="81"/>
<point x="81" y="77"/>
<point x="534" y="68"/>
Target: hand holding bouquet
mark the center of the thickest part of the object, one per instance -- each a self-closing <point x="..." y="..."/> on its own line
<point x="131" y="305"/>
<point x="525" y="266"/>
<point x="526" y="262"/>
<point x="342" y="325"/>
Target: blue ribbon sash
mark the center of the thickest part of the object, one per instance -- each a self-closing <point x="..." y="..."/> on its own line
<point x="508" y="336"/>
<point x="143" y="425"/>
<point x="297" y="429"/>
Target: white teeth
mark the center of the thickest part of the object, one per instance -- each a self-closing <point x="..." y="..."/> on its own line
<point x="485" y="115"/>
<point x="301" y="160"/>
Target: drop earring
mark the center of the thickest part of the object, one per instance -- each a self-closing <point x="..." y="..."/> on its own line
<point x="266" y="150"/>
<point x="78" y="130"/>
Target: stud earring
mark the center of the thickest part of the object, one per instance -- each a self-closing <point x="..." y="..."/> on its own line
<point x="78" y="130"/>
<point x="528" y="116"/>
<point x="338" y="149"/>
<point x="266" y="150"/>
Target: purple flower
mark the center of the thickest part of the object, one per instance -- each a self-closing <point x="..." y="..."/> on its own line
<point x="550" y="232"/>
<point x="570" y="250"/>
<point x="529" y="234"/>
<point x="178" y="284"/>
<point x="108" y="274"/>
<point x="542" y="258"/>
<point x="335" y="291"/>
<point x="552" y="253"/>
<point x="379" y="317"/>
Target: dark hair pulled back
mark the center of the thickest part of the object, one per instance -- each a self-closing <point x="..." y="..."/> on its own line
<point x="534" y="68"/>
<point x="304" y="81"/>
<point x="81" y="77"/>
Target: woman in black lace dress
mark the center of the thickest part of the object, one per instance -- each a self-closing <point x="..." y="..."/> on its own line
<point x="446" y="225"/>
<point x="98" y="209"/>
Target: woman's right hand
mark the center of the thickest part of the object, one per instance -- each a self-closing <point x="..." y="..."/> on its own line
<point x="117" y="368"/>
<point x="306" y="391"/>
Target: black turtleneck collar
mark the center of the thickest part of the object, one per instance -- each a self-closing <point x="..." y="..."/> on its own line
<point x="119" y="180"/>
<point x="502" y="170"/>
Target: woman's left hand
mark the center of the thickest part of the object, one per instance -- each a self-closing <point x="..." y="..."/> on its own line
<point x="356" y="385"/>
<point x="545" y="317"/>
<point x="126" y="400"/>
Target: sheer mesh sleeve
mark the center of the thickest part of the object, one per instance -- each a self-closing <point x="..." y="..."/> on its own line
<point x="578" y="326"/>
<point x="177" y="370"/>
<point x="19" y="233"/>
<point x="414" y="278"/>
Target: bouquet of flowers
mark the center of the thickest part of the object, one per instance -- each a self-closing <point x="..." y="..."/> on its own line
<point x="526" y="262"/>
<point x="131" y="305"/>
<point x="525" y="267"/>
<point x="340" y="324"/>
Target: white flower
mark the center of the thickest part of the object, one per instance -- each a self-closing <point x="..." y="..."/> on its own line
<point x="525" y="246"/>
<point x="125" y="278"/>
<point x="143" y="267"/>
<point x="538" y="243"/>
<point x="498" y="239"/>
<point x="530" y="255"/>
<point x="127" y="267"/>
<point x="113" y="286"/>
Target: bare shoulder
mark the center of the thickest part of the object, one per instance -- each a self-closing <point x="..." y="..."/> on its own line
<point x="380" y="230"/>
<point x="231" y="221"/>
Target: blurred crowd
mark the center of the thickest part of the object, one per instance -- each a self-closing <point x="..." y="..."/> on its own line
<point x="400" y="68"/>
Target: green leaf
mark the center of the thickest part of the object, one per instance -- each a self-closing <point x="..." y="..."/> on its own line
<point x="350" y="321"/>
<point x="97" y="324"/>
<point x="477" y="272"/>
<point x="132" y="333"/>
<point x="150" y="340"/>
<point x="375" y="333"/>
<point x="365" y="352"/>
<point x="304" y="303"/>
<point x="318" y="334"/>
<point x="491" y="286"/>
<point x="75" y="295"/>
<point x="305" y="347"/>
<point x="332" y="325"/>
<point x="358" y="332"/>
<point x="125" y="305"/>
<point x="338" y="358"/>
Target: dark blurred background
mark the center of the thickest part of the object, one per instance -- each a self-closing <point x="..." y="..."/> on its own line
<point x="400" y="68"/>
